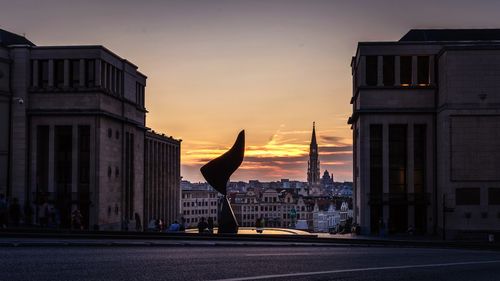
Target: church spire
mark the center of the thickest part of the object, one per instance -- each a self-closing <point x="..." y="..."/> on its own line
<point x="313" y="137"/>
<point x="313" y="177"/>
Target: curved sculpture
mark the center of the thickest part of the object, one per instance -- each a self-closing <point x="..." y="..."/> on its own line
<point x="217" y="173"/>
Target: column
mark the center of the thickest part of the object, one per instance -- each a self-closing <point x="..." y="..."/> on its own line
<point x="409" y="173"/>
<point x="385" y="164"/>
<point x="34" y="72"/>
<point x="51" y="187"/>
<point x="74" y="159"/>
<point x="97" y="66"/>
<point x="431" y="70"/>
<point x="380" y="71"/>
<point x="51" y="73"/>
<point x="362" y="71"/>
<point x="66" y="73"/>
<point x="414" y="77"/>
<point x="81" y="84"/>
<point x="397" y="70"/>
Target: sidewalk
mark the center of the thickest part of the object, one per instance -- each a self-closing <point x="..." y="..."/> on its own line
<point x="92" y="238"/>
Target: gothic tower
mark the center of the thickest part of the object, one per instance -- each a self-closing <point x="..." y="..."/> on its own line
<point x="313" y="178"/>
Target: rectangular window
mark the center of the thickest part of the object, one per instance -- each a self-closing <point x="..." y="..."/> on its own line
<point x="405" y="70"/>
<point x="423" y="70"/>
<point x="43" y="73"/>
<point x="90" y="73"/>
<point x="371" y="70"/>
<point x="74" y="77"/>
<point x="397" y="158"/>
<point x="494" y="196"/>
<point x="419" y="153"/>
<point x="388" y="70"/>
<point x="467" y="196"/>
<point x="42" y="159"/>
<point x="59" y="73"/>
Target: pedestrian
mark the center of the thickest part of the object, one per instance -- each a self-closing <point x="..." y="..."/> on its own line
<point x="183" y="225"/>
<point x="76" y="220"/>
<point x="258" y="225"/>
<point x="138" y="226"/>
<point x="152" y="225"/>
<point x="210" y="223"/>
<point x="43" y="213"/>
<point x="15" y="212"/>
<point x="202" y="226"/>
<point x="3" y="211"/>
<point x="174" y="227"/>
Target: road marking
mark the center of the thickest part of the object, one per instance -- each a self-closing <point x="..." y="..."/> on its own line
<point x="279" y="254"/>
<point x="356" y="270"/>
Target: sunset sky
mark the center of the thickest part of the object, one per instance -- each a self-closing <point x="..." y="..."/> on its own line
<point x="269" y="67"/>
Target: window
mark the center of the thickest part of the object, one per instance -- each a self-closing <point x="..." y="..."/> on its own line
<point x="371" y="70"/>
<point x="90" y="73"/>
<point x="494" y="196"/>
<point x="467" y="196"/>
<point x="43" y="73"/>
<point x="405" y="70"/>
<point x="397" y="158"/>
<point x="423" y="70"/>
<point x="74" y="77"/>
<point x="388" y="66"/>
<point x="59" y="73"/>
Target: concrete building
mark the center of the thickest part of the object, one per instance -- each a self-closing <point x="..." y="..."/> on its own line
<point x="425" y="127"/>
<point x="72" y="131"/>
<point x="162" y="193"/>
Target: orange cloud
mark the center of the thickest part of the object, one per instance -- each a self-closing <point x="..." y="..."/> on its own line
<point x="284" y="155"/>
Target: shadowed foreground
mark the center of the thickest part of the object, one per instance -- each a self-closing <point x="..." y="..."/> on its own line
<point x="268" y="263"/>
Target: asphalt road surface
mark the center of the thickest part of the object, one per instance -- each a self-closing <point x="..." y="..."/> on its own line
<point x="246" y="263"/>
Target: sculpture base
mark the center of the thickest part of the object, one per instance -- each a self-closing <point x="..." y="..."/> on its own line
<point x="227" y="220"/>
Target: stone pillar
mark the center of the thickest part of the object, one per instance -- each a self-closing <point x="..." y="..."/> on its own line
<point x="74" y="159"/>
<point x="385" y="169"/>
<point x="66" y="73"/>
<point x="414" y="72"/>
<point x="51" y="187"/>
<point x="82" y="74"/>
<point x="397" y="70"/>
<point x="432" y="78"/>
<point x="409" y="173"/>
<point x="18" y="185"/>
<point x="380" y="71"/>
<point x="34" y="72"/>
<point x="97" y="72"/>
<point x="362" y="71"/>
<point x="51" y="73"/>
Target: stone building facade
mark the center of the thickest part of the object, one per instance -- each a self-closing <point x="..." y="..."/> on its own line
<point x="199" y="203"/>
<point x="425" y="127"/>
<point x="72" y="132"/>
<point x="278" y="208"/>
<point x="162" y="178"/>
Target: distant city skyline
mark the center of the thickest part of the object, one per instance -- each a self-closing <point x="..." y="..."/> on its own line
<point x="269" y="67"/>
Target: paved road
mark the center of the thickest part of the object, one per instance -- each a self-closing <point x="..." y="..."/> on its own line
<point x="238" y="263"/>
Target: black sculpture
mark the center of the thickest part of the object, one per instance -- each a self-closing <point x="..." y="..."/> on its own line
<point x="217" y="173"/>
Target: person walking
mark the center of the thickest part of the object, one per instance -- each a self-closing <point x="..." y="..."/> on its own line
<point x="15" y="212"/>
<point x="202" y="226"/>
<point x="210" y="225"/>
<point x="138" y="225"/>
<point x="3" y="211"/>
<point x="258" y="225"/>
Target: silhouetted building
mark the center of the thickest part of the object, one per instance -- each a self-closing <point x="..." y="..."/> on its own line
<point x="425" y="132"/>
<point x="162" y="178"/>
<point x="72" y="131"/>
<point x="313" y="177"/>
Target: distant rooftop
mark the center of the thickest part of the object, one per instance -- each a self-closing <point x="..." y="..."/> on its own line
<point x="8" y="38"/>
<point x="451" y="35"/>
